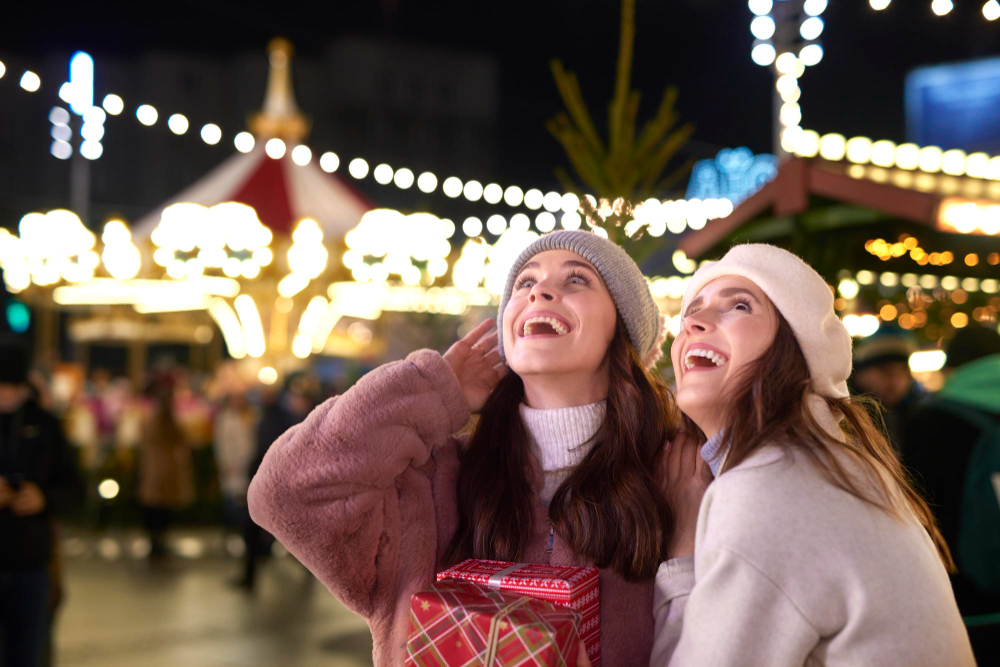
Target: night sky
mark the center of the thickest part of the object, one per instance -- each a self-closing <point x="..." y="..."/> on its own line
<point x="701" y="46"/>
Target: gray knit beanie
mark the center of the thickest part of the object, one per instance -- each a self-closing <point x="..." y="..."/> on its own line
<point x="628" y="287"/>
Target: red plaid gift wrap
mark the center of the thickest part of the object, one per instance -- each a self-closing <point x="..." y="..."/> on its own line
<point x="462" y="624"/>
<point x="563" y="585"/>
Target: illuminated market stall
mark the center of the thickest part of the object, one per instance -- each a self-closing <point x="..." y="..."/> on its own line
<point x="904" y="235"/>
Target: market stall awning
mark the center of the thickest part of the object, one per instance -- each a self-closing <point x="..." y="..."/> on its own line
<point x="280" y="191"/>
<point x="828" y="211"/>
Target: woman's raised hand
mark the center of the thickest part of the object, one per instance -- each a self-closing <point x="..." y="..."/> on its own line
<point x="475" y="359"/>
<point x="687" y="476"/>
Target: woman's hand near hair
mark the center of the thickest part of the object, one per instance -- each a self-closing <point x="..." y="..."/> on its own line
<point x="475" y="359"/>
<point x="687" y="476"/>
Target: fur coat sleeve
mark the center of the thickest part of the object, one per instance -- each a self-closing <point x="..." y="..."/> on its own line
<point x="351" y="490"/>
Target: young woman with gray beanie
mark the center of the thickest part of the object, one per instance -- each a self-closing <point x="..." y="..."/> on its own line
<point x="810" y="547"/>
<point x="375" y="492"/>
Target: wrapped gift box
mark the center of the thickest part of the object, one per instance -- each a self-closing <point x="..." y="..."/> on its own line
<point x="577" y="588"/>
<point x="463" y="624"/>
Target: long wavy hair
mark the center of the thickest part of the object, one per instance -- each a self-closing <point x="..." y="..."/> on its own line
<point x="768" y="405"/>
<point x="610" y="509"/>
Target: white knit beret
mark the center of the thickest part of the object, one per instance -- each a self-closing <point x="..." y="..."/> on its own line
<point x="802" y="297"/>
<point x="629" y="289"/>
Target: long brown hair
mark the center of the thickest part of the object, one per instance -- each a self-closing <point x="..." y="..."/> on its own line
<point x="768" y="405"/>
<point x="610" y="509"/>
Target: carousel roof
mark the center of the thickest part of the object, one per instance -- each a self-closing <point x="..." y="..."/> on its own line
<point x="280" y="191"/>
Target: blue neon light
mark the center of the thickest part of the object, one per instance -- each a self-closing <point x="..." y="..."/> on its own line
<point x="734" y="174"/>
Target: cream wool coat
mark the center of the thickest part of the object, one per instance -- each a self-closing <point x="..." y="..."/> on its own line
<point x="790" y="570"/>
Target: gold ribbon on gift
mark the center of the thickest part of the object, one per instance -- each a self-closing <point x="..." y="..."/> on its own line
<point x="493" y="639"/>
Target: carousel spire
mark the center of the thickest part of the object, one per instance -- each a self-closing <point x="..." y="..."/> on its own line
<point x="280" y="117"/>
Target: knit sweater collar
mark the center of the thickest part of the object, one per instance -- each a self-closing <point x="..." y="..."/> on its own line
<point x="712" y="453"/>
<point x="562" y="437"/>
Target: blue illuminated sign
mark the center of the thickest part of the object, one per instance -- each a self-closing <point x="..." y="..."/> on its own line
<point x="955" y="106"/>
<point x="734" y="174"/>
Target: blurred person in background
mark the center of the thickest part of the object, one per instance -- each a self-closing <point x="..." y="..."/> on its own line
<point x="951" y="445"/>
<point x="882" y="369"/>
<point x="235" y="444"/>
<point x="166" y="476"/>
<point x="37" y="476"/>
<point x="281" y="411"/>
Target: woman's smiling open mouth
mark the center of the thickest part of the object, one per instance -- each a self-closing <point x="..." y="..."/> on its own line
<point x="543" y="323"/>
<point x="703" y="357"/>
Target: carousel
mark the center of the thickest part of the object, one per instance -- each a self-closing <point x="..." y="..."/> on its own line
<point x="268" y="260"/>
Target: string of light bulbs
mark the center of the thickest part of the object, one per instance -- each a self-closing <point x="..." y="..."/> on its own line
<point x="991" y="9"/>
<point x="546" y="204"/>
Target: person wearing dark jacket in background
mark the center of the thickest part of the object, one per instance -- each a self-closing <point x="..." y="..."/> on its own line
<point x="36" y="474"/>
<point x="882" y="369"/>
<point x="281" y="412"/>
<point x="943" y="447"/>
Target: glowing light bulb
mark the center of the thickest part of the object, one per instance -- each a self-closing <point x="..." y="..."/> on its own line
<point x="211" y="134"/>
<point x="275" y="148"/>
<point x="814" y="7"/>
<point x="811" y="28"/>
<point x="403" y="179"/>
<point x="244" y="142"/>
<point x="30" y="81"/>
<point x="329" y="162"/>
<point x="942" y="7"/>
<point x="147" y="115"/>
<point x="382" y="174"/>
<point x="762" y="27"/>
<point x="178" y="123"/>
<point x="301" y="155"/>
<point x="533" y="199"/>
<point x="785" y="63"/>
<point x="113" y="104"/>
<point x="763" y="54"/>
<point x="427" y="182"/>
<point x="473" y="190"/>
<point x="358" y="168"/>
<point x="472" y="226"/>
<point x="811" y="54"/>
<point x="452" y="187"/>
<point x="513" y="196"/>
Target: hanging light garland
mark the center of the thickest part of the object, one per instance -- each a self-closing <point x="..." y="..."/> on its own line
<point x="547" y="204"/>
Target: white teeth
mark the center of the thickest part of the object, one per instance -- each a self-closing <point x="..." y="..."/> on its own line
<point x="714" y="357"/>
<point x="558" y="326"/>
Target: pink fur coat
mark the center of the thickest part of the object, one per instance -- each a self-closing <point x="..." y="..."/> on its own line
<point x="363" y="493"/>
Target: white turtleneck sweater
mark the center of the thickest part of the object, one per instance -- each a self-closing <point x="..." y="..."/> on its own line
<point x="560" y="439"/>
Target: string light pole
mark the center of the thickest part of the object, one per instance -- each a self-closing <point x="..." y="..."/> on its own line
<point x="787" y="39"/>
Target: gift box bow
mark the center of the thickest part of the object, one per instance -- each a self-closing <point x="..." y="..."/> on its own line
<point x="463" y="623"/>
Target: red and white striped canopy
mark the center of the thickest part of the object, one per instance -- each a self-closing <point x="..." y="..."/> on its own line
<point x="281" y="192"/>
